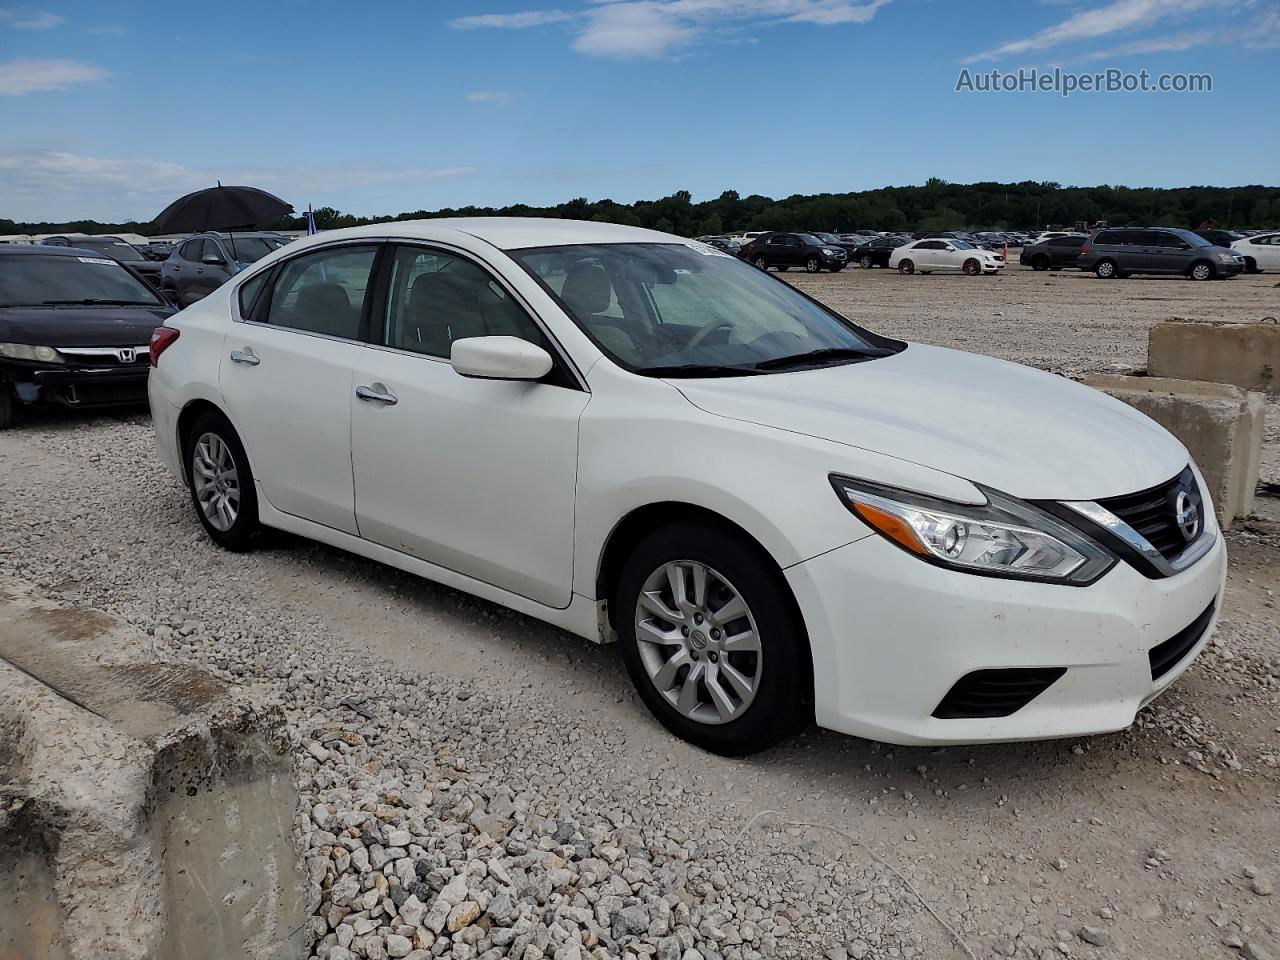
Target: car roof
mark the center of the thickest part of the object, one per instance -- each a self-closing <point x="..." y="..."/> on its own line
<point x="37" y="249"/>
<point x="507" y="233"/>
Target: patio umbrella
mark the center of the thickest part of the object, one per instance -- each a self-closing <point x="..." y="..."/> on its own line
<point x="221" y="208"/>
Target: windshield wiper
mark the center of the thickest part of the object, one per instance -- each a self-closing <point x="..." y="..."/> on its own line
<point x="698" y="370"/>
<point x="97" y="302"/>
<point x="821" y="356"/>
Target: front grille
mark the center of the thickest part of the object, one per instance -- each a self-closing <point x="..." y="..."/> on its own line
<point x="105" y="356"/>
<point x="1169" y="654"/>
<point x="996" y="693"/>
<point x="1153" y="513"/>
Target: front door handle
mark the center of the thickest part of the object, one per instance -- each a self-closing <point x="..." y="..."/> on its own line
<point x="377" y="393"/>
<point x="246" y="356"/>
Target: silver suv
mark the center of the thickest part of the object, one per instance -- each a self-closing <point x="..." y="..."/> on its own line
<point x="1118" y="252"/>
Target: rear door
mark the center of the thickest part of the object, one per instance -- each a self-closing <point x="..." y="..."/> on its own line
<point x="286" y="377"/>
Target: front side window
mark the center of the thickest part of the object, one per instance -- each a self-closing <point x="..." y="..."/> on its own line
<point x="435" y="298"/>
<point x="684" y="312"/>
<point x="42" y="281"/>
<point x="248" y="249"/>
<point x="192" y="251"/>
<point x="323" y="292"/>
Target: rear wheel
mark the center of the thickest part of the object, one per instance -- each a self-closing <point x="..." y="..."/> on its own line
<point x="836" y="268"/>
<point x="1040" y="262"/>
<point x="906" y="266"/>
<point x="1201" y="270"/>
<point x="221" y="482"/>
<point x="972" y="267"/>
<point x="1106" y="270"/>
<point x="712" y="641"/>
<point x="813" y="264"/>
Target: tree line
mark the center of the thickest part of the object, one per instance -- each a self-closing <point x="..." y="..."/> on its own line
<point x="936" y="205"/>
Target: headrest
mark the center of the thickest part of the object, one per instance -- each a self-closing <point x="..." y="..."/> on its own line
<point x="587" y="289"/>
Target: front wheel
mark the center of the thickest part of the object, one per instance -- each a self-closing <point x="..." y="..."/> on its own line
<point x="813" y="264"/>
<point x="221" y="482"/>
<point x="865" y="263"/>
<point x="1251" y="265"/>
<point x="781" y="268"/>
<point x="972" y="267"/>
<point x="1040" y="263"/>
<point x="6" y="405"/>
<point x="906" y="266"/>
<point x="761" y="263"/>
<point x="712" y="641"/>
<point x="1202" y="270"/>
<point x="836" y="268"/>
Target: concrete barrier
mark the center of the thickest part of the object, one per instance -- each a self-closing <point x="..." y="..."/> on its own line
<point x="146" y="810"/>
<point x="1244" y="354"/>
<point x="1222" y="426"/>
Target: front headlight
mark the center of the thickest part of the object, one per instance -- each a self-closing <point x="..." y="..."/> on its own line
<point x="828" y="251"/>
<point x="1227" y="257"/>
<point x="26" y="351"/>
<point x="1004" y="537"/>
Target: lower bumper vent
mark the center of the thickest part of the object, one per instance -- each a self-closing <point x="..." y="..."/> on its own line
<point x="1170" y="653"/>
<point x="996" y="693"/>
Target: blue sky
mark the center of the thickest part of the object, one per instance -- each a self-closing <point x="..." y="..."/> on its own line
<point x="111" y="110"/>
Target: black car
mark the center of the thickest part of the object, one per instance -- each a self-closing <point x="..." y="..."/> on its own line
<point x="875" y="252"/>
<point x="115" y="248"/>
<point x="1220" y="238"/>
<point x="1052" y="254"/>
<point x="1123" y="251"/>
<point x="835" y="240"/>
<point x="75" y="329"/>
<point x="785" y="250"/>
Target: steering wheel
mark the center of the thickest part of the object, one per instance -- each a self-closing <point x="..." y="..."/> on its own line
<point x="697" y="339"/>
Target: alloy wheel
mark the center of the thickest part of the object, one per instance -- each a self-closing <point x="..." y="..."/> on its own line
<point x="216" y="481"/>
<point x="698" y="642"/>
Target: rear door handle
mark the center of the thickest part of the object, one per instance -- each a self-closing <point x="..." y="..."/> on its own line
<point x="377" y="394"/>
<point x="245" y="356"/>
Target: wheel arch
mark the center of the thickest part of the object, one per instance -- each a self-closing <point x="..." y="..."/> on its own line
<point x="188" y="415"/>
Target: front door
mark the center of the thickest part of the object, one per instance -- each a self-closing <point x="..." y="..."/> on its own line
<point x="476" y="476"/>
<point x="286" y="377"/>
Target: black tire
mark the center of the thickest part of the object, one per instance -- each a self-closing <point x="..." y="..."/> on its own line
<point x="761" y="263"/>
<point x="6" y="405"/>
<point x="242" y="533"/>
<point x="972" y="267"/>
<point x="1040" y="262"/>
<point x="906" y="267"/>
<point x="1106" y="270"/>
<point x="1251" y="265"/>
<point x="1202" y="270"/>
<point x="813" y="264"/>
<point x="866" y="263"/>
<point x="783" y="702"/>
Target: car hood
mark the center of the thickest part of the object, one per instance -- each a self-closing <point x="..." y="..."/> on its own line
<point x="81" y="326"/>
<point x="1028" y="433"/>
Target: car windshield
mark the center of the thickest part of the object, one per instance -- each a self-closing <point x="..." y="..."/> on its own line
<point x="962" y="245"/>
<point x="1194" y="239"/>
<point x="250" y="249"/>
<point x="690" y="310"/>
<point x="827" y="237"/>
<point x="39" y="281"/>
<point x="115" y="249"/>
<point x="811" y="239"/>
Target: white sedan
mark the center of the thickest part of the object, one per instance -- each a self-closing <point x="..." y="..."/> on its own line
<point x="928" y="256"/>
<point x="1260" y="252"/>
<point x="779" y="515"/>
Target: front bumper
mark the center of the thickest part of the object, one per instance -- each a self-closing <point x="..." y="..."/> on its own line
<point x="891" y="636"/>
<point x="78" y="386"/>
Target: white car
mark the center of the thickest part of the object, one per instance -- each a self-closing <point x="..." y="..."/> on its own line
<point x="1260" y="252"/>
<point x="941" y="255"/>
<point x="779" y="515"/>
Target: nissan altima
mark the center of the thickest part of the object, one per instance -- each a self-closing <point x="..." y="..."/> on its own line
<point x="780" y="516"/>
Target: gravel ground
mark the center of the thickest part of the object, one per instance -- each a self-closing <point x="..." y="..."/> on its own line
<point x="481" y="785"/>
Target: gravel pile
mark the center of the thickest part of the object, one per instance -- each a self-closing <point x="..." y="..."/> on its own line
<point x="443" y="819"/>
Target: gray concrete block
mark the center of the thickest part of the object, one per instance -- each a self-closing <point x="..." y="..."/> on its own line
<point x="149" y="808"/>
<point x="1243" y="354"/>
<point x="1221" y="425"/>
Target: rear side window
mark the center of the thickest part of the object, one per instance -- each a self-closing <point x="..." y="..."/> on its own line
<point x="323" y="292"/>
<point x="1109" y="237"/>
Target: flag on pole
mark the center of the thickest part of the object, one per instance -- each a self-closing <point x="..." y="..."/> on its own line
<point x="311" y="222"/>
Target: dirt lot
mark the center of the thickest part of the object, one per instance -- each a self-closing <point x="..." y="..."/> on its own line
<point x="1160" y="842"/>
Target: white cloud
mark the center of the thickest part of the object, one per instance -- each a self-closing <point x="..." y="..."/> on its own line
<point x="30" y="19"/>
<point x="57" y="184"/>
<point x="29" y="76"/>
<point x="499" y="98"/>
<point x="633" y="29"/>
<point x="1114" y="17"/>
<point x="511" y="21"/>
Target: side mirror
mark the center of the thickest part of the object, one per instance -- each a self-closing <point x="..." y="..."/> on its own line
<point x="951" y="248"/>
<point x="500" y="358"/>
<point x="214" y="261"/>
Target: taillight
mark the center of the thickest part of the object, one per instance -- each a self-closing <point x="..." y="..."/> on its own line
<point x="161" y="339"/>
<point x="1084" y="250"/>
